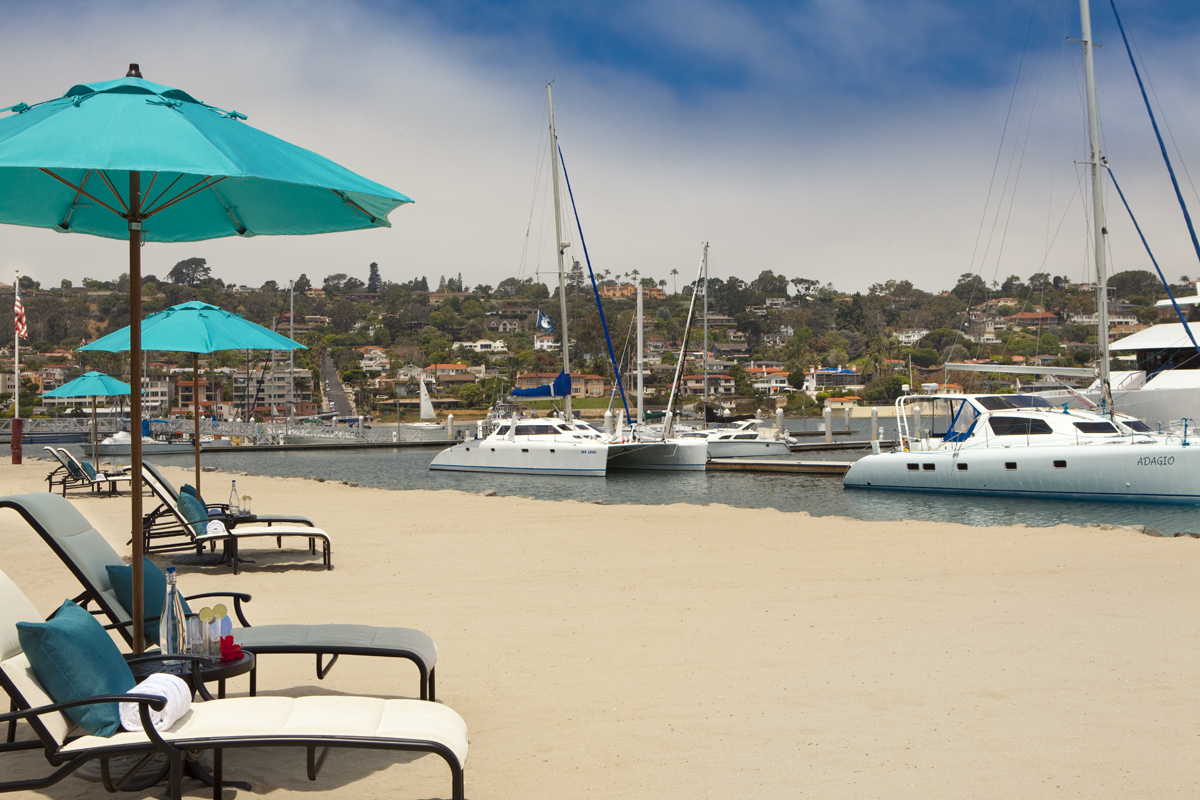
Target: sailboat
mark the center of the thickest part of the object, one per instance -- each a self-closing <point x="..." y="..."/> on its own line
<point x="561" y="444"/>
<point x="1021" y="445"/>
<point x="429" y="428"/>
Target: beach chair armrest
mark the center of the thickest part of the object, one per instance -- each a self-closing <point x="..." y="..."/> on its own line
<point x="153" y="701"/>
<point x="238" y="599"/>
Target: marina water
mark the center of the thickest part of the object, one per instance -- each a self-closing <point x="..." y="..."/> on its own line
<point x="819" y="495"/>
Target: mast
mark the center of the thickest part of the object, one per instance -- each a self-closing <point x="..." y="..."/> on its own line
<point x="706" y="334"/>
<point x="1098" y="226"/>
<point x="639" y="353"/>
<point x="562" y="246"/>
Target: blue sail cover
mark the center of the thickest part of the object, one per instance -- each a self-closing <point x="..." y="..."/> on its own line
<point x="559" y="387"/>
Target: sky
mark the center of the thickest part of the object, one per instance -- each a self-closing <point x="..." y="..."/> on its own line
<point x="847" y="141"/>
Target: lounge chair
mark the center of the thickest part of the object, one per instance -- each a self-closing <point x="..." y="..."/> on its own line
<point x="87" y="553"/>
<point x="72" y="473"/>
<point x="220" y="511"/>
<point x="177" y="525"/>
<point x="315" y="723"/>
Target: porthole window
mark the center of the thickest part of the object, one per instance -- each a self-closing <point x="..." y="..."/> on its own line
<point x="962" y="467"/>
<point x="914" y="467"/>
<point x="1010" y="465"/>
<point x="929" y="467"/>
<point x="1060" y="465"/>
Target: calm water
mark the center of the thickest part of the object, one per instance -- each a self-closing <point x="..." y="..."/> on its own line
<point x="816" y="494"/>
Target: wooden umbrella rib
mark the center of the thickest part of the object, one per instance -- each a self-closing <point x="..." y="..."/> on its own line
<point x="348" y="201"/>
<point x="205" y="183"/>
<point x="170" y="186"/>
<point x="81" y="191"/>
<point x="241" y="229"/>
<point x="65" y="224"/>
<point x="107" y="182"/>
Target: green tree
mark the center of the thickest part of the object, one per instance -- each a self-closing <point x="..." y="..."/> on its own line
<point x="373" y="279"/>
<point x="190" y="272"/>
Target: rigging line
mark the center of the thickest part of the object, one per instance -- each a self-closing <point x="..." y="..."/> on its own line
<point x="1000" y="148"/>
<point x="1031" y="96"/>
<point x="537" y="181"/>
<point x="1161" y="277"/>
<point x="599" y="305"/>
<point x="1166" y="123"/>
<point x="1161" y="146"/>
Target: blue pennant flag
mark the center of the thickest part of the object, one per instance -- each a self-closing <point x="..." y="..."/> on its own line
<point x="544" y="323"/>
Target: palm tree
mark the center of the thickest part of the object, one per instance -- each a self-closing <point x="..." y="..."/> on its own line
<point x="663" y="284"/>
<point x="674" y="273"/>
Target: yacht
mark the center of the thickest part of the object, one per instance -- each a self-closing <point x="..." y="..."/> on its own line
<point x="557" y="446"/>
<point x="1021" y="445"/>
<point x="739" y="440"/>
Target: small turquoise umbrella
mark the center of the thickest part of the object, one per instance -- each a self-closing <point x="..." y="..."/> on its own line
<point x="93" y="385"/>
<point x="131" y="159"/>
<point x="196" y="328"/>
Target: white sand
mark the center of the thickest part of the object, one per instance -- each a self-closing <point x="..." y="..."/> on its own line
<point x="707" y="651"/>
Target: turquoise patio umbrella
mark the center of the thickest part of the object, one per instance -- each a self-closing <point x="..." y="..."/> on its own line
<point x="196" y="328"/>
<point x="131" y="159"/>
<point x="93" y="385"/>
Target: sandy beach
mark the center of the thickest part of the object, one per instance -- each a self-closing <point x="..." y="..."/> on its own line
<point x="712" y="652"/>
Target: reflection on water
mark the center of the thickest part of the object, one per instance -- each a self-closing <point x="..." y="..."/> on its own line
<point x="819" y="495"/>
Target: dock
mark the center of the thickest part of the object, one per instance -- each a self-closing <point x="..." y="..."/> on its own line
<point x="860" y="444"/>
<point x="778" y="465"/>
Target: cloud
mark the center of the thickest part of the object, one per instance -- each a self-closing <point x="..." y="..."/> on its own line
<point x="851" y="142"/>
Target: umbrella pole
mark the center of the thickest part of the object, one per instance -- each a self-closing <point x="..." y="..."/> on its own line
<point x="135" y="404"/>
<point x="196" y="412"/>
<point x="95" y="436"/>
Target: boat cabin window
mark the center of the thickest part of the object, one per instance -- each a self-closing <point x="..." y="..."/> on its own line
<point x="536" y="430"/>
<point x="1096" y="427"/>
<point x="1006" y="401"/>
<point x="1018" y="426"/>
<point x="1029" y="401"/>
<point x="961" y="467"/>
<point x="1136" y="425"/>
<point x="914" y="467"/>
<point x="746" y="436"/>
<point x="503" y="429"/>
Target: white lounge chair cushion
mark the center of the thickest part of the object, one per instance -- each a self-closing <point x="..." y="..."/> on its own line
<point x="273" y="530"/>
<point x="317" y="636"/>
<point x="306" y="718"/>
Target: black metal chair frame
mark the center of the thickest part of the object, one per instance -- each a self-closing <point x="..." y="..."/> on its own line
<point x="174" y="750"/>
<point x="167" y="522"/>
<point x="90" y="594"/>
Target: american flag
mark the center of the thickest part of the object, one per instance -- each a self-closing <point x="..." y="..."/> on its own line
<point x="19" y="314"/>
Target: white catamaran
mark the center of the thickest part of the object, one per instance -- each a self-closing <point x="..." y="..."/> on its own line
<point x="1016" y="445"/>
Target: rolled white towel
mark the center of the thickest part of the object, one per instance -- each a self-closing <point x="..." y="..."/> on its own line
<point x="172" y="687"/>
<point x="216" y="528"/>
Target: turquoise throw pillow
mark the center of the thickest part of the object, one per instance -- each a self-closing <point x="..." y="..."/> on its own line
<point x="89" y="469"/>
<point x="154" y="583"/>
<point x="189" y="489"/>
<point x="195" y="512"/>
<point x="73" y="658"/>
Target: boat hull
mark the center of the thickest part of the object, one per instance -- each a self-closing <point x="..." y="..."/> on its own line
<point x="559" y="457"/>
<point x="667" y="456"/>
<point x="1137" y="473"/>
<point x="747" y="448"/>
